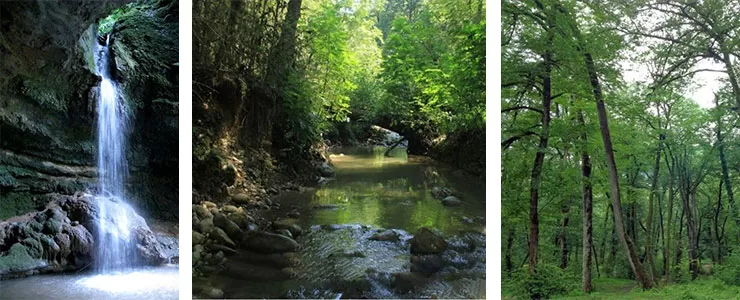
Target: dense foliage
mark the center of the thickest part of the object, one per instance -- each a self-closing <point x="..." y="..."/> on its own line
<point x="673" y="162"/>
<point x="320" y="65"/>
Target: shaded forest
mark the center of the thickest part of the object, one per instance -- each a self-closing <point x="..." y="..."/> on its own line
<point x="611" y="185"/>
<point x="281" y="79"/>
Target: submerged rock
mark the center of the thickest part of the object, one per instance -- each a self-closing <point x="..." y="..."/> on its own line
<point x="426" y="241"/>
<point x="265" y="242"/>
<point x="288" y="224"/>
<point x="441" y="192"/>
<point x="451" y="201"/>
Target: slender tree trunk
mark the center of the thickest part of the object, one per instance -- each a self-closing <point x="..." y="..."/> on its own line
<point x="534" y="222"/>
<point x="587" y="210"/>
<point x="727" y="60"/>
<point x="717" y="235"/>
<point x="509" y="246"/>
<point x="668" y="235"/>
<point x="651" y="197"/>
<point x="634" y="259"/>
<point x="725" y="172"/>
<point x="563" y="238"/>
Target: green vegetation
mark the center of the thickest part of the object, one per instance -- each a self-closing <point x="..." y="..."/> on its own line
<point x="316" y="65"/>
<point x="612" y="178"/>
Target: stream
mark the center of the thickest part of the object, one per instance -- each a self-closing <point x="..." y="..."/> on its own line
<point x="371" y="192"/>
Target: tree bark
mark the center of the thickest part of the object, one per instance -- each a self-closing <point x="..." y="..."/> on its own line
<point x="725" y="172"/>
<point x="587" y="210"/>
<point x="509" y="245"/>
<point x="632" y="256"/>
<point x="536" y="178"/>
<point x="651" y="197"/>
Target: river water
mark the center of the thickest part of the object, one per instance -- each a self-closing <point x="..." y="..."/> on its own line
<point x="370" y="192"/>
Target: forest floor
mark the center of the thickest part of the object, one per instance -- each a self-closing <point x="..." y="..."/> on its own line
<point x="617" y="288"/>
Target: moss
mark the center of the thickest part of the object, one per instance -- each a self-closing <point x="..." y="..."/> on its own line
<point x="17" y="260"/>
<point x="87" y="46"/>
<point x="145" y="50"/>
<point x="33" y="247"/>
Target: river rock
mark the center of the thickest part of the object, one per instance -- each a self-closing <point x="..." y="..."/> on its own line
<point x="290" y="225"/>
<point x="325" y="169"/>
<point x="441" y="192"/>
<point x="451" y="201"/>
<point x="227" y="225"/>
<point x="265" y="242"/>
<point x="388" y="235"/>
<point x="219" y="236"/>
<point x="241" y="198"/>
<point x="406" y="281"/>
<point x="426" y="241"/>
<point x="206" y="225"/>
<point x="209" y="204"/>
<point x="229" y="209"/>
<point x="240" y="218"/>
<point x="426" y="264"/>
<point x="198" y="238"/>
<point x="284" y="232"/>
<point x="221" y="248"/>
<point x="202" y="212"/>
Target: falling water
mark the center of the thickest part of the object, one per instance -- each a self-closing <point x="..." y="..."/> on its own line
<point x="113" y="229"/>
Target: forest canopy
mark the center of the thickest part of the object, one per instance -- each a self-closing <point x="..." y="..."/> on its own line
<point x="608" y="176"/>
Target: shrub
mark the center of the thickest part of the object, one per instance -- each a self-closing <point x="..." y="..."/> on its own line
<point x="729" y="270"/>
<point x="547" y="281"/>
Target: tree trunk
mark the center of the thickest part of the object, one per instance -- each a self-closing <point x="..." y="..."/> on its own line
<point x="509" y="244"/>
<point x="632" y="256"/>
<point x="587" y="210"/>
<point x="668" y="235"/>
<point x="534" y="222"/>
<point x="563" y="238"/>
<point x="725" y="172"/>
<point x="653" y="191"/>
<point x="717" y="235"/>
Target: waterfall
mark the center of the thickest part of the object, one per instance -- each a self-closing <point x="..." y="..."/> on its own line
<point x="113" y="236"/>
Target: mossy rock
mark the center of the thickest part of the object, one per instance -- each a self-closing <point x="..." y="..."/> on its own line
<point x="18" y="260"/>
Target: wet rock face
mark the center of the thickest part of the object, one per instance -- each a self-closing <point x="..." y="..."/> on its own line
<point x="48" y="104"/>
<point x="61" y="238"/>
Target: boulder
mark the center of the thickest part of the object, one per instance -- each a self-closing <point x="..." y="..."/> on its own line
<point x="205" y="225"/>
<point x="265" y="242"/>
<point x="426" y="241"/>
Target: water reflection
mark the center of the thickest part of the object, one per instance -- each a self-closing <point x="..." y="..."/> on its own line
<point x="390" y="192"/>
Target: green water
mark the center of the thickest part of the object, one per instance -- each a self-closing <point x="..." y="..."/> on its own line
<point x="390" y="192"/>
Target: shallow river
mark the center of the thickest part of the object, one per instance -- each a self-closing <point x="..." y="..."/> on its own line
<point x="141" y="283"/>
<point x="369" y="192"/>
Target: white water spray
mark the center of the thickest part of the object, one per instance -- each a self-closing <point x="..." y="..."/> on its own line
<point x="114" y="241"/>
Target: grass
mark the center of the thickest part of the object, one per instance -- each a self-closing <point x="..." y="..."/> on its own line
<point x="614" y="288"/>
